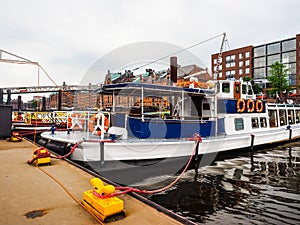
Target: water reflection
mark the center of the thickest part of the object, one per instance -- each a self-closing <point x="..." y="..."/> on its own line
<point x="262" y="189"/>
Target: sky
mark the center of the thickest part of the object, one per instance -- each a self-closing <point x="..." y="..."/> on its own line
<point x="67" y="37"/>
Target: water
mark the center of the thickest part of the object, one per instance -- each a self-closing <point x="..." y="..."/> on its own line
<point x="241" y="190"/>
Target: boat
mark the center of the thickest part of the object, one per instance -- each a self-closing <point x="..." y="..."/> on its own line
<point x="144" y="129"/>
<point x="28" y="123"/>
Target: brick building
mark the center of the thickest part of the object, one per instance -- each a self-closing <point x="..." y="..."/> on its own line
<point x="255" y="61"/>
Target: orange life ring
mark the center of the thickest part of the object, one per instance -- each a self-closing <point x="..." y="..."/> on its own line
<point x="238" y="105"/>
<point x="93" y="123"/>
<point x="259" y="106"/>
<point x="252" y="107"/>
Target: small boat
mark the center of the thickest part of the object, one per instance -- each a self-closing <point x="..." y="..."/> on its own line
<point x="30" y="123"/>
<point x="145" y="129"/>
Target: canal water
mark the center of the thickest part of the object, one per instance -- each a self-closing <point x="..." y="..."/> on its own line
<point x="262" y="189"/>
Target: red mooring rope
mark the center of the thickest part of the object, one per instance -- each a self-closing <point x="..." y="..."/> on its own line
<point x="125" y="190"/>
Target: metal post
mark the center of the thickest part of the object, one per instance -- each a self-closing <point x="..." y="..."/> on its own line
<point x="252" y="142"/>
<point x="19" y="103"/>
<point x="59" y="100"/>
<point x="1" y="96"/>
<point x="142" y="104"/>
<point x="102" y="153"/>
<point x="290" y="132"/>
<point x="8" y="102"/>
<point x="43" y="104"/>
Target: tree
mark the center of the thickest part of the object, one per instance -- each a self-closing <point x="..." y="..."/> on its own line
<point x="278" y="79"/>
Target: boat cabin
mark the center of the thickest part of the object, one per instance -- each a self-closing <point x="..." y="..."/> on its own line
<point x="235" y="90"/>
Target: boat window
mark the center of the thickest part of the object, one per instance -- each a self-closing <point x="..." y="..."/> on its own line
<point x="244" y="89"/>
<point x="297" y="116"/>
<point x="206" y="106"/>
<point x="250" y="92"/>
<point x="254" y="122"/>
<point x="282" y="117"/>
<point x="263" y="121"/>
<point x="273" y="118"/>
<point x="226" y="87"/>
<point x="291" y="116"/>
<point x="239" y="123"/>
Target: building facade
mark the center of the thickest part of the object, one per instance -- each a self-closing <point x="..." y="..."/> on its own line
<point x="255" y="61"/>
<point x="235" y="63"/>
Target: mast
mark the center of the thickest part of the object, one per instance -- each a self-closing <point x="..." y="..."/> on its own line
<point x="219" y="57"/>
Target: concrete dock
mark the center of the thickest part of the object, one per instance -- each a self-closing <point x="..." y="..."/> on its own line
<point x="29" y="196"/>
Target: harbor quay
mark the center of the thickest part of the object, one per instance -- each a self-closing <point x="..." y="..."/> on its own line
<point x="38" y="195"/>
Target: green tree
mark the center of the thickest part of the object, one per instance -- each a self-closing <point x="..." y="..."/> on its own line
<point x="278" y="79"/>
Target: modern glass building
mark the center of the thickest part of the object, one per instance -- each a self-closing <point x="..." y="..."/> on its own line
<point x="235" y="65"/>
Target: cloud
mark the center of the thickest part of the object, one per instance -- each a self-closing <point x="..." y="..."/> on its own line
<point x="68" y="37"/>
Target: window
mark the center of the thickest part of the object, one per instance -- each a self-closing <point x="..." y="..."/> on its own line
<point x="227" y="65"/>
<point x="263" y="122"/>
<point x="250" y="92"/>
<point x="273" y="118"/>
<point x="226" y="87"/>
<point x="232" y="72"/>
<point x="206" y="106"/>
<point x="247" y="70"/>
<point x="241" y="55"/>
<point x="220" y="74"/>
<point x="254" y="122"/>
<point x="259" y="73"/>
<point x="241" y="63"/>
<point x="272" y="59"/>
<point x="289" y="45"/>
<point x="247" y="62"/>
<point x="259" y="62"/>
<point x="239" y="124"/>
<point x="232" y="64"/>
<point x="247" y="54"/>
<point x="282" y="117"/>
<point x="259" y="51"/>
<point x="230" y="58"/>
<point x="292" y="79"/>
<point x="289" y="57"/>
<point x="273" y="48"/>
<point x="244" y="89"/>
<point x="291" y="117"/>
<point x="241" y="71"/>
<point x="297" y="116"/>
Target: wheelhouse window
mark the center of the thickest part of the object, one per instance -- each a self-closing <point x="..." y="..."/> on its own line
<point x="273" y="118"/>
<point x="239" y="124"/>
<point x="250" y="92"/>
<point x="282" y="117"/>
<point x="263" y="122"/>
<point x="254" y="122"/>
<point x="291" y="116"/>
<point x="226" y="87"/>
<point x="244" y="89"/>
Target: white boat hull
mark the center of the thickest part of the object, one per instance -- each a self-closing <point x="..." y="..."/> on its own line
<point x="149" y="149"/>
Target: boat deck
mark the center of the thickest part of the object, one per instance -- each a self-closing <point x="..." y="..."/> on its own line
<point x="28" y="190"/>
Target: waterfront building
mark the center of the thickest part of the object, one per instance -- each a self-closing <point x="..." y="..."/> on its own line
<point x="255" y="61"/>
